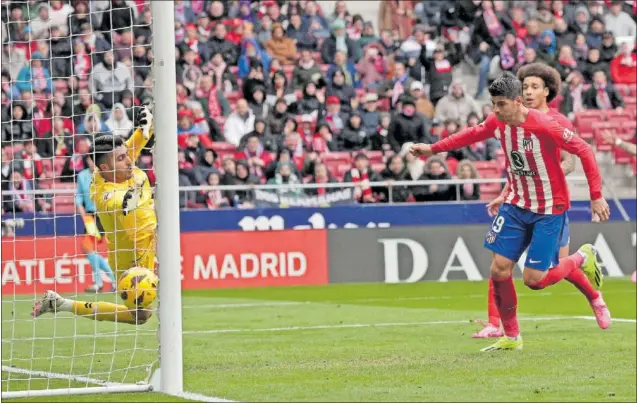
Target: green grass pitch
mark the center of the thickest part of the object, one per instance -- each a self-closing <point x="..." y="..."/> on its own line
<point x="367" y="342"/>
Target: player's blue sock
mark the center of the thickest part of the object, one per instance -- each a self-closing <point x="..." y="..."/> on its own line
<point x="106" y="268"/>
<point x="94" y="260"/>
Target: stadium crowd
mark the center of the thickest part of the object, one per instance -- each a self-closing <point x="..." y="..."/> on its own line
<point x="284" y="92"/>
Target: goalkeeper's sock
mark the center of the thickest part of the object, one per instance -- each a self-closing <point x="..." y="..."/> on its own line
<point x="106" y="268"/>
<point x="100" y="311"/>
<point x="94" y="260"/>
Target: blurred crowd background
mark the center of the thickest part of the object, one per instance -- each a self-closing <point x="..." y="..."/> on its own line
<point x="290" y="92"/>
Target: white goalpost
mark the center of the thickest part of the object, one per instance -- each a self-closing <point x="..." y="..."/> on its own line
<point x="42" y="229"/>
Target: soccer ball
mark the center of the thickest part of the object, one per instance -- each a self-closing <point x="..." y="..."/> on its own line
<point x="138" y="288"/>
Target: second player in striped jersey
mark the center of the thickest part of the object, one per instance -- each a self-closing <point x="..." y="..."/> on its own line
<point x="533" y="214"/>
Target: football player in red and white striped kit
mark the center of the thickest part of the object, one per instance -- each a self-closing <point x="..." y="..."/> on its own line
<point x="540" y="85"/>
<point x="533" y="213"/>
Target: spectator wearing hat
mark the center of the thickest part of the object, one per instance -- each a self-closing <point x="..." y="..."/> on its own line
<point x="336" y="119"/>
<point x="277" y="117"/>
<point x="35" y="77"/>
<point x="547" y="47"/>
<point x="338" y="40"/>
<point x="288" y="182"/>
<point x="367" y="35"/>
<point x="208" y="163"/>
<point x="457" y="104"/>
<point x="619" y="22"/>
<point x="252" y="55"/>
<point x="193" y="43"/>
<point x="595" y="33"/>
<point x="370" y="116"/>
<point x="263" y="134"/>
<point x="623" y="67"/>
<point x="423" y="105"/>
<point x="280" y="46"/>
<point x="609" y="48"/>
<point x="603" y="95"/>
<point x="581" y="21"/>
<point x="239" y="123"/>
<point x="545" y="17"/>
<point x="407" y="126"/>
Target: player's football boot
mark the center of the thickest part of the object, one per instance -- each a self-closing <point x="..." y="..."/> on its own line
<point x="602" y="314"/>
<point x="592" y="266"/>
<point x="488" y="331"/>
<point x="93" y="289"/>
<point x="505" y="343"/>
<point x="49" y="303"/>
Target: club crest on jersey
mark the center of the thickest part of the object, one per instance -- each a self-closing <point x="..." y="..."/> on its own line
<point x="567" y="135"/>
<point x="107" y="195"/>
<point x="527" y="144"/>
<point x="491" y="237"/>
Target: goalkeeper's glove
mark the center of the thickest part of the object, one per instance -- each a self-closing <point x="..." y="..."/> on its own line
<point x="145" y="121"/>
<point x="91" y="226"/>
<point x="133" y="195"/>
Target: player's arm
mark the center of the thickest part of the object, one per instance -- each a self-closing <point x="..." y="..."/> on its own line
<point x="568" y="162"/>
<point x="463" y="138"/>
<point x="142" y="133"/>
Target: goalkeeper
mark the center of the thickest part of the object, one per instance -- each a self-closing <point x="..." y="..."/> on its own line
<point x="125" y="207"/>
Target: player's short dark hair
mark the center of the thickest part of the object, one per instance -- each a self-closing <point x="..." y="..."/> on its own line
<point x="507" y="85"/>
<point x="546" y="73"/>
<point x="103" y="146"/>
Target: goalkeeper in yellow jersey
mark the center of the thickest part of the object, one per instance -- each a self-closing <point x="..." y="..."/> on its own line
<point x="125" y="207"/>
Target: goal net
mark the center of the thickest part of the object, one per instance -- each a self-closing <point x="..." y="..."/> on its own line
<point x="71" y="70"/>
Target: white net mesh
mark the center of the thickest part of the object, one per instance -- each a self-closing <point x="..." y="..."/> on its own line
<point x="71" y="71"/>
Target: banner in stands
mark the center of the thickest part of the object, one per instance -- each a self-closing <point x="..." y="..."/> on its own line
<point x="442" y="253"/>
<point x="338" y="216"/>
<point x="209" y="260"/>
<point x="263" y="198"/>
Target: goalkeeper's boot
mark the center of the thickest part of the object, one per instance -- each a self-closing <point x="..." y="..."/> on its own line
<point x="49" y="303"/>
<point x="505" y="343"/>
<point x="592" y="265"/>
<point x="488" y="331"/>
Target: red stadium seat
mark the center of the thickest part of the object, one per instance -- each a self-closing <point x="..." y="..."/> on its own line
<point x="233" y="96"/>
<point x="375" y="156"/>
<point x="488" y="169"/>
<point x="47" y="165"/>
<point x="622" y="157"/>
<point x="600" y="144"/>
<point x="341" y="157"/>
<point x="624" y="89"/>
<point x="219" y="146"/>
<point x="378" y="167"/>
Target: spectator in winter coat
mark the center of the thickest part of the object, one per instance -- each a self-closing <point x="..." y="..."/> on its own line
<point x="277" y="117"/>
<point x="347" y="67"/>
<point x="563" y="35"/>
<point x="565" y="62"/>
<point x="262" y="133"/>
<point x="603" y="95"/>
<point x="593" y="64"/>
<point x="399" y="84"/>
<point x="305" y="69"/>
<point x="370" y="117"/>
<point x="595" y="32"/>
<point x="372" y="67"/>
<point x="380" y="139"/>
<point x="353" y="137"/>
<point x="456" y="105"/>
<point x="582" y="19"/>
<point x="361" y="175"/>
<point x="109" y="79"/>
<point x="423" y="105"/>
<point x="35" y="77"/>
<point x="340" y="89"/>
<point x="321" y="176"/>
<point x="338" y="41"/>
<point x="278" y="88"/>
<point x="286" y="179"/>
<point x="573" y="94"/>
<point x="435" y="169"/>
<point x="512" y="52"/>
<point x="334" y="117"/>
<point x="407" y="126"/>
<point x="619" y="22"/>
<point x="239" y="123"/>
<point x="323" y="140"/>
<point x="468" y="191"/>
<point x="19" y="127"/>
<point x="310" y="102"/>
<point x="280" y="46"/>
<point x="609" y="48"/>
<point x="219" y="44"/>
<point x="119" y="123"/>
<point x="394" y="171"/>
<point x="623" y="67"/>
<point x="440" y="70"/>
